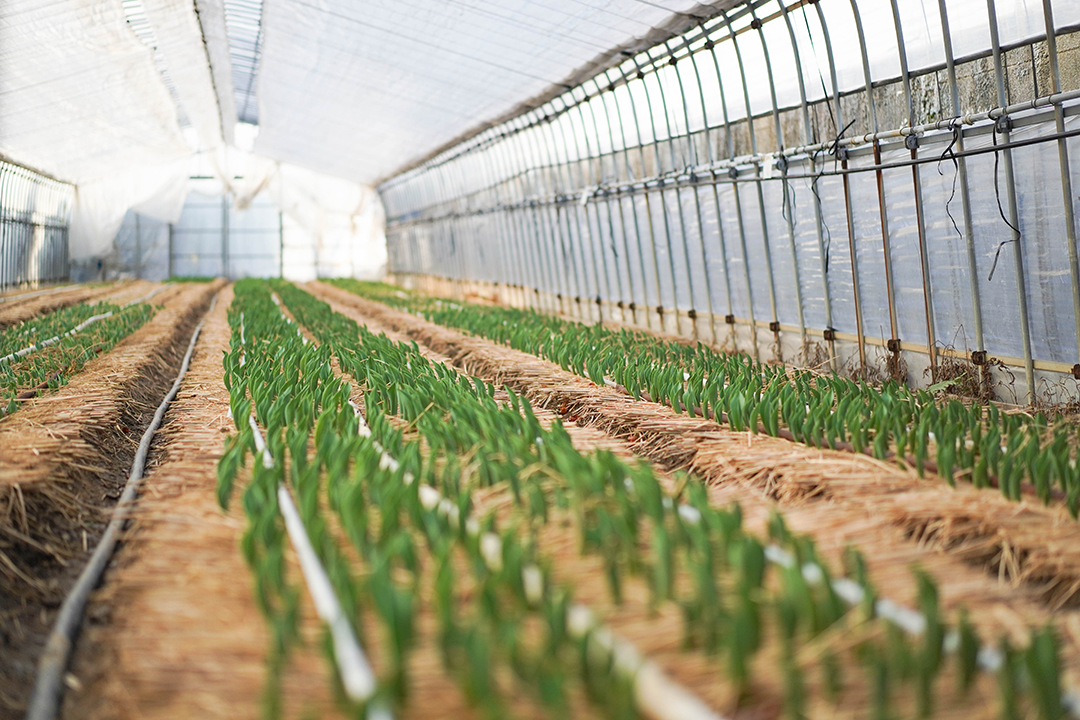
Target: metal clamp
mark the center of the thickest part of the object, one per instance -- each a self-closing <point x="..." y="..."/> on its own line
<point x="774" y="326"/>
<point x="893" y="345"/>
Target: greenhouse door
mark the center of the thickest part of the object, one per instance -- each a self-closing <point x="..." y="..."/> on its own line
<point x="214" y="238"/>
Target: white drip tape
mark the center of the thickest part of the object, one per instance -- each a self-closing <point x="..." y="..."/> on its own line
<point x="78" y="328"/>
<point x="654" y="692"/>
<point x="356" y="674"/>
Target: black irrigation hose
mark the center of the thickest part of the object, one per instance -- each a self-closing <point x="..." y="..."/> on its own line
<point x="49" y="683"/>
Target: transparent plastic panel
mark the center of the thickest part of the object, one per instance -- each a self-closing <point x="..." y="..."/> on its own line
<point x="837" y="251"/>
<point x="1046" y="256"/>
<point x="757" y="76"/>
<point x="663" y="247"/>
<point x="713" y="249"/>
<point x="755" y="251"/>
<point x="643" y="210"/>
<point x="904" y="251"/>
<point x="785" y="75"/>
<point x="780" y="251"/>
<point x="921" y="25"/>
<point x="730" y="198"/>
<point x="684" y="235"/>
<point x="950" y="275"/>
<point x="813" y="52"/>
<point x="845" y="44"/>
<point x="999" y="294"/>
<point x="870" y="257"/>
<point x="880" y="33"/>
<point x="731" y="79"/>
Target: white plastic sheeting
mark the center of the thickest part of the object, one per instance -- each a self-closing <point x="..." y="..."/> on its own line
<point x="82" y="98"/>
<point x="357" y="90"/>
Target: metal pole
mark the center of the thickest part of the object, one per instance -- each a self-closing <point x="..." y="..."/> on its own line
<point x="645" y="195"/>
<point x="912" y="142"/>
<point x="694" y="162"/>
<point x="965" y="196"/>
<point x="633" y="209"/>
<point x="663" y="204"/>
<point x="819" y="231"/>
<point x="1003" y="128"/>
<point x="894" y="341"/>
<point x="775" y="323"/>
<point x="1063" y="167"/>
<point x="789" y="206"/>
<point x="697" y="196"/>
<point x="734" y="176"/>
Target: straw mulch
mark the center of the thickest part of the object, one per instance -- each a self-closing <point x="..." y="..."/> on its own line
<point x="1019" y="561"/>
<point x="433" y="690"/>
<point x="176" y="632"/>
<point x="65" y="457"/>
<point x="658" y="633"/>
<point x="16" y="311"/>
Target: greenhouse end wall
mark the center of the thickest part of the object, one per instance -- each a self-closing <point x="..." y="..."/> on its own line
<point x="882" y="189"/>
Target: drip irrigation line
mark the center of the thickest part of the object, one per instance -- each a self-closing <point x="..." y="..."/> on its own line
<point x="357" y="677"/>
<point x="78" y="328"/>
<point x="49" y="683"/>
<point x="654" y="691"/>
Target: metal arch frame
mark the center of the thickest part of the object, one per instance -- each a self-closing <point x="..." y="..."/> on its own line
<point x="757" y="183"/>
<point x="849" y="215"/>
<point x="586" y="235"/>
<point x="645" y="197"/>
<point x="459" y="191"/>
<point x="601" y="190"/>
<point x="692" y="314"/>
<point x="1014" y="215"/>
<point x="733" y="172"/>
<point x="633" y="209"/>
<point x="965" y="192"/>
<point x="882" y="207"/>
<point x="581" y="278"/>
<point x="916" y="183"/>
<point x="818" y="221"/>
<point x="641" y="76"/>
<point x="789" y="205"/>
<point x="692" y="58"/>
<point x="1063" y="166"/>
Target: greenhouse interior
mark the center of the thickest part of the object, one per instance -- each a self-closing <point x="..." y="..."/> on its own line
<point x="540" y="359"/>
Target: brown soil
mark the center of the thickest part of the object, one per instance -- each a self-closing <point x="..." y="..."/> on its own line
<point x="175" y="632"/>
<point x="658" y="633"/>
<point x="66" y="456"/>
<point x="1013" y="564"/>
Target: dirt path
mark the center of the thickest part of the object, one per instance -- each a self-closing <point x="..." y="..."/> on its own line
<point x="1010" y="563"/>
<point x="65" y="457"/>
<point x="176" y="632"/>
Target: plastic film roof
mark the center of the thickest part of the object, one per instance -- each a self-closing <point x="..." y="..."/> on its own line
<point x="359" y="90"/>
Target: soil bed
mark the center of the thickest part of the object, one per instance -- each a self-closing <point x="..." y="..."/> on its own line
<point x="66" y="456"/>
<point x="1011" y="563"/>
<point x="16" y="311"/>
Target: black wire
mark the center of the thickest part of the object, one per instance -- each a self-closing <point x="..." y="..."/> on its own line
<point x="834" y="151"/>
<point x="1001" y="211"/>
<point x="948" y="153"/>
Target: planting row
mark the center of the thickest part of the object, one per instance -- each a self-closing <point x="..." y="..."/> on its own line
<point x="43" y="353"/>
<point x="399" y="477"/>
<point x="1016" y="452"/>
